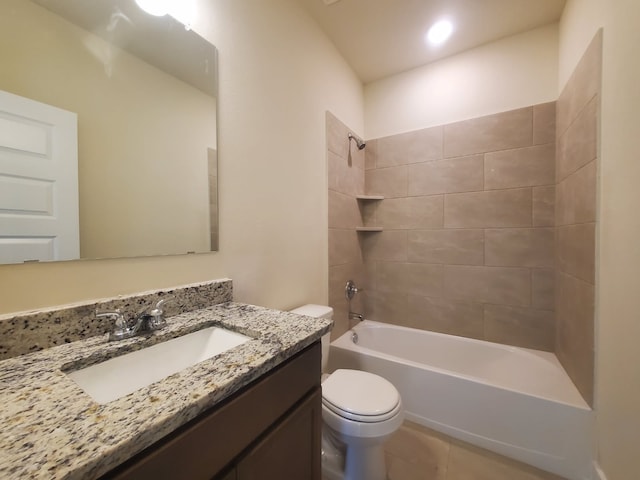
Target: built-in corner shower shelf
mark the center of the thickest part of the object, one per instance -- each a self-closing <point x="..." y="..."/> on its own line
<point x="369" y="198"/>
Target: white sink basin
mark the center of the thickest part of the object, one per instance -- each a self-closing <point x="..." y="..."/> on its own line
<point x="120" y="376"/>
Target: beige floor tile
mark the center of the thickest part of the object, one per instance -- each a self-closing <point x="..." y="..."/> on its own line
<point x="415" y="454"/>
<point x="470" y="463"/>
<point x="399" y="469"/>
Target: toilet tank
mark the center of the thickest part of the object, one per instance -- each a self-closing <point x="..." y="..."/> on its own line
<point x="318" y="311"/>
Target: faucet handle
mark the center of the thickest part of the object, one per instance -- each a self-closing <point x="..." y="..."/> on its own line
<point x="121" y="323"/>
<point x="155" y="315"/>
<point x="158" y="310"/>
<point x="350" y="290"/>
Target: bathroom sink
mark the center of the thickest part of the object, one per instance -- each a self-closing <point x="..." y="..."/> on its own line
<point x="119" y="376"/>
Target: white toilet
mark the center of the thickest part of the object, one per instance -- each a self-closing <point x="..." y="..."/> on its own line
<point x="360" y="411"/>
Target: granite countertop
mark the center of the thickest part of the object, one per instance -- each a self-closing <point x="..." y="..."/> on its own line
<point x="50" y="428"/>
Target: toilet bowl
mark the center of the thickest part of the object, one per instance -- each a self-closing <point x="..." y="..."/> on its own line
<point x="360" y="410"/>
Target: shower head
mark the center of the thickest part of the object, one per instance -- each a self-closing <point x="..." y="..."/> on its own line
<point x="359" y="143"/>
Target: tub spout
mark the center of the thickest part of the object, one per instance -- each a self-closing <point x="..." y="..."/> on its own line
<point x="356" y="316"/>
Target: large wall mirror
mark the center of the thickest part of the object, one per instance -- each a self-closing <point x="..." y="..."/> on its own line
<point x="142" y="91"/>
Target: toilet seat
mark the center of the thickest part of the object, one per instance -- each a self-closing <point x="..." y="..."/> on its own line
<point x="362" y="418"/>
<point x="360" y="396"/>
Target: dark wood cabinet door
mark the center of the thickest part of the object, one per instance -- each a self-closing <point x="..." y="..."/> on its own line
<point x="292" y="450"/>
<point x="230" y="475"/>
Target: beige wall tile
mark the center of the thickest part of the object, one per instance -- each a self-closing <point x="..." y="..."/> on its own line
<point x="344" y="178"/>
<point x="544" y="123"/>
<point x="390" y="182"/>
<point x="576" y="197"/>
<point x="411" y="212"/>
<point x="446" y="316"/>
<point x="411" y="147"/>
<point x="424" y="145"/>
<point x="411" y="278"/>
<point x="522" y="327"/>
<point x="519" y="247"/>
<point x="543" y="288"/>
<point x="337" y="136"/>
<point x="355" y="157"/>
<point x="371" y="155"/>
<point x="513" y="129"/>
<point x="544" y="206"/>
<point x="582" y="86"/>
<point x="390" y="246"/>
<point x="446" y="176"/>
<point x="338" y="276"/>
<point x="575" y="302"/>
<point x="343" y="247"/>
<point x="370" y="269"/>
<point x="499" y="285"/>
<point x="369" y="211"/>
<point x="386" y="307"/>
<point x="343" y="211"/>
<point x="521" y="167"/>
<point x="577" y="124"/>
<point x="392" y="151"/>
<point x="578" y="145"/>
<point x="576" y="250"/>
<point x="426" y="212"/>
<point x="498" y="208"/>
<point x="455" y="247"/>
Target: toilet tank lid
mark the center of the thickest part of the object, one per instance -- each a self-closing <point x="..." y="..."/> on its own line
<point x="316" y="311"/>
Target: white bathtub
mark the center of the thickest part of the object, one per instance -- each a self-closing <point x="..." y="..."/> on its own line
<point x="514" y="401"/>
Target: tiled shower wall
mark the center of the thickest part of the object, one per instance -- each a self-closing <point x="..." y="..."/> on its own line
<point x="576" y="172"/>
<point x="346" y="180"/>
<point x="468" y="218"/>
<point x="475" y="240"/>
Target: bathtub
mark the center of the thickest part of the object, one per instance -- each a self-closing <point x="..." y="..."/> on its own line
<point x="514" y="401"/>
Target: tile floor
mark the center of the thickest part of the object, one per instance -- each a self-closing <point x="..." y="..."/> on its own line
<point x="418" y="453"/>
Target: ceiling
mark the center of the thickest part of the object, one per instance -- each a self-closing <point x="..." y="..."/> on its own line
<point x="379" y="38"/>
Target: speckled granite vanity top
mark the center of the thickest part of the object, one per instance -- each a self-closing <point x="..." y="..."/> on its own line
<point x="50" y="428"/>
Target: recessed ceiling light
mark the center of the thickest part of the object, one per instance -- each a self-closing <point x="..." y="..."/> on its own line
<point x="439" y="32"/>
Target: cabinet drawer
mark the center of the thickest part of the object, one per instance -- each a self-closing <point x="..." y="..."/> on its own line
<point x="200" y="449"/>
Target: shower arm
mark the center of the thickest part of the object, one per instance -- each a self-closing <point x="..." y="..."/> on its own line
<point x="359" y="143"/>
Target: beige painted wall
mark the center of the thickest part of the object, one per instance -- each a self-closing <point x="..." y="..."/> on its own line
<point x="130" y="118"/>
<point x="274" y="92"/>
<point x="617" y="390"/>
<point x="515" y="72"/>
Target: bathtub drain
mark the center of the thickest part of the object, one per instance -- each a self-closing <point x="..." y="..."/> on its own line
<point x="354" y="337"/>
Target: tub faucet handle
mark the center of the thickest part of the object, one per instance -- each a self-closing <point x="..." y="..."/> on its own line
<point x="350" y="290"/>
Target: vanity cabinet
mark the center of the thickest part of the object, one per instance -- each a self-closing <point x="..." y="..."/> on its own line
<point x="271" y="429"/>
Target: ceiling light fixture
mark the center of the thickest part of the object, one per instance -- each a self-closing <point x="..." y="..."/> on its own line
<point x="439" y="32"/>
<point x="157" y="8"/>
<point x="182" y="10"/>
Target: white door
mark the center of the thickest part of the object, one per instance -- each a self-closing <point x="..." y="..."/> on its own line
<point x="38" y="181"/>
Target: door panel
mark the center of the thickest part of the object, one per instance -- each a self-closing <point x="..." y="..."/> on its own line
<point x="39" y="215"/>
<point x="291" y="450"/>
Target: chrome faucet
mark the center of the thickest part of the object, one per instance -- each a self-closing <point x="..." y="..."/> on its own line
<point x="146" y="321"/>
<point x="350" y="291"/>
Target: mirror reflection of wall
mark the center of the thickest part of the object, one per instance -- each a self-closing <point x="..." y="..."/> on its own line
<point x="144" y="137"/>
